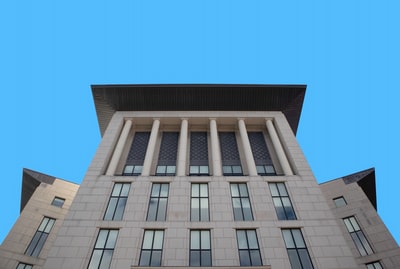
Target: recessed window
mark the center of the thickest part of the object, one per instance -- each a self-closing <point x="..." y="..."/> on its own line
<point x="24" y="266"/>
<point x="340" y="201"/>
<point x="40" y="237"/>
<point x="198" y="154"/>
<point x="297" y="249"/>
<point x="116" y="204"/>
<point x="283" y="206"/>
<point x="152" y="246"/>
<point x="199" y="202"/>
<point x="137" y="152"/>
<point x="103" y="249"/>
<point x="241" y="202"/>
<point x="58" y="202"/>
<point x="374" y="265"/>
<point x="261" y="155"/>
<point x="358" y="236"/>
<point x="166" y="165"/>
<point x="200" y="248"/>
<point x="231" y="165"/>
<point x="158" y="202"/>
<point x="249" y="251"/>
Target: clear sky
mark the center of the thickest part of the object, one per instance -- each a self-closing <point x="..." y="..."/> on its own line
<point x="347" y="52"/>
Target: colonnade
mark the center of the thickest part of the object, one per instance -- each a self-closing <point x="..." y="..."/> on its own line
<point x="215" y="148"/>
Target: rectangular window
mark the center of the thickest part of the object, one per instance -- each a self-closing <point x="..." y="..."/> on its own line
<point x="137" y="152"/>
<point x="231" y="165"/>
<point x="200" y="248"/>
<point x="103" y="249"/>
<point x="283" y="206"/>
<point x="58" y="202"/>
<point x="167" y="157"/>
<point x="198" y="154"/>
<point x="241" y="202"/>
<point x="358" y="236"/>
<point x="151" y="252"/>
<point x="24" y="266"/>
<point x="40" y="237"/>
<point x="117" y="202"/>
<point x="158" y="202"/>
<point x="261" y="155"/>
<point x="297" y="249"/>
<point x="249" y="251"/>
<point x="199" y="202"/>
<point x="374" y="265"/>
<point x="340" y="201"/>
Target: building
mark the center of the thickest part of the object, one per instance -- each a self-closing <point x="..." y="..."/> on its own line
<point x="200" y="175"/>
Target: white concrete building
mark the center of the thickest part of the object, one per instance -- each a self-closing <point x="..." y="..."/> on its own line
<point x="211" y="176"/>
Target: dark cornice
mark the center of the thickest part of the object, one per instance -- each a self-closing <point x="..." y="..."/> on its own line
<point x="198" y="97"/>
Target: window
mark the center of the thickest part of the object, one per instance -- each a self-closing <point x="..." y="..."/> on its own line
<point x="158" y="202"/>
<point x="374" y="265"/>
<point x="167" y="157"/>
<point x="117" y="202"/>
<point x="231" y="165"/>
<point x="241" y="202"/>
<point x="199" y="202"/>
<point x="152" y="248"/>
<point x="358" y="236"/>
<point x="261" y="154"/>
<point x="58" y="202"/>
<point x="297" y="249"/>
<point x="40" y="237"/>
<point x="24" y="266"/>
<point x="200" y="248"/>
<point x="249" y="251"/>
<point x="340" y="201"/>
<point x="137" y="152"/>
<point x="198" y="154"/>
<point x="103" y="249"/>
<point x="283" y="206"/>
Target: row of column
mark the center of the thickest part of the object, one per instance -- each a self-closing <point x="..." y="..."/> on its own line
<point x="215" y="148"/>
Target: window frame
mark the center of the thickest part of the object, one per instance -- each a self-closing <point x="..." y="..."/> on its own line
<point x="154" y="203"/>
<point x="357" y="235"/>
<point x="337" y="199"/>
<point x="249" y="250"/>
<point x="40" y="237"/>
<point x="297" y="245"/>
<point x="152" y="250"/>
<point x="240" y="200"/>
<point x="58" y="202"/>
<point x="122" y="197"/>
<point x="203" y="252"/>
<point x="22" y="265"/>
<point x="283" y="205"/>
<point x="374" y="265"/>
<point x="199" y="200"/>
<point x="106" y="248"/>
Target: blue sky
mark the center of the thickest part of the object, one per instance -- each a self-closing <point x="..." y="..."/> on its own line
<point x="347" y="52"/>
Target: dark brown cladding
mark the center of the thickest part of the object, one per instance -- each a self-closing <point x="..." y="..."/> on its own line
<point x="198" y="97"/>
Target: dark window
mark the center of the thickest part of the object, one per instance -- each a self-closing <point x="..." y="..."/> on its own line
<point x="137" y="152"/>
<point x="261" y="155"/>
<point x="117" y="202"/>
<point x="297" y="249"/>
<point x="199" y="202"/>
<point x="158" y="202"/>
<point x="198" y="154"/>
<point x="231" y="165"/>
<point x="103" y="249"/>
<point x="249" y="251"/>
<point x="58" y="202"/>
<point x="200" y="248"/>
<point x="283" y="206"/>
<point x="241" y="202"/>
<point x="40" y="237"/>
<point x="374" y="265"/>
<point x="167" y="157"/>
<point x="358" y="236"/>
<point x="340" y="201"/>
<point x="152" y="248"/>
<point x="24" y="266"/>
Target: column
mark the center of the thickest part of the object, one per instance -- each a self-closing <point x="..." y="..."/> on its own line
<point x="279" y="149"/>
<point x="181" y="162"/>
<point x="148" y="159"/>
<point x="215" y="152"/>
<point x="119" y="148"/>
<point x="251" y="165"/>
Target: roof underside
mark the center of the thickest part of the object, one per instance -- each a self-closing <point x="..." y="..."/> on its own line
<point x="366" y="180"/>
<point x="198" y="97"/>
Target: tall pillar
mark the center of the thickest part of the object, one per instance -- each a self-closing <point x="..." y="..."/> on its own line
<point x="181" y="162"/>
<point x="215" y="152"/>
<point x="279" y="149"/>
<point x="251" y="165"/>
<point x="148" y="159"/>
<point x="119" y="148"/>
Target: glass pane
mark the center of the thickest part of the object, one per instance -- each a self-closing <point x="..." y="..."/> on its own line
<point x="148" y="240"/>
<point x="270" y="169"/>
<point x="206" y="258"/>
<point x="203" y="169"/>
<point x="243" y="190"/>
<point x="151" y="215"/>
<point x="162" y="209"/>
<point x="244" y="257"/>
<point x="194" y="239"/>
<point x="242" y="241"/>
<point x="171" y="169"/>
<point x="204" y="209"/>
<point x="116" y="189"/>
<point x="120" y="209"/>
<point x="273" y="189"/>
<point x="125" y="189"/>
<point x="305" y="259"/>
<point x="50" y="224"/>
<point x="203" y="190"/>
<point x="138" y="169"/>
<point x="282" y="189"/>
<point x="354" y="223"/>
<point x="156" y="258"/>
<point x="112" y="239"/>
<point x="101" y="239"/>
<point x="155" y="190"/>
<point x="205" y="240"/>
<point x="161" y="169"/>
<point x="195" y="209"/>
<point x="294" y="259"/>
<point x="255" y="258"/>
<point x="246" y="209"/>
<point x="111" y="209"/>
<point x="227" y="169"/>
<point x="39" y="245"/>
<point x="128" y="169"/>
<point x="287" y="236"/>
<point x="369" y="266"/>
<point x="195" y="190"/>
<point x="288" y="208"/>
<point x="164" y="190"/>
<point x="298" y="238"/>
<point x="194" y="169"/>
<point x="279" y="208"/>
<point x="95" y="260"/>
<point x="252" y="239"/>
<point x="365" y="243"/>
<point x="33" y="243"/>
<point x="339" y="202"/>
<point x="260" y="169"/>
<point x="158" y="239"/>
<point x="194" y="258"/>
<point x="145" y="258"/>
<point x="236" y="169"/>
<point x="234" y="190"/>
<point x="358" y="244"/>
<point x="106" y="260"/>
<point x="58" y="202"/>
<point x="348" y="225"/>
<point x="43" y="224"/>
<point x="237" y="209"/>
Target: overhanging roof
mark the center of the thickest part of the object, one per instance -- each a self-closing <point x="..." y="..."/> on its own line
<point x="366" y="180"/>
<point x="198" y="97"/>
